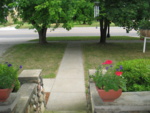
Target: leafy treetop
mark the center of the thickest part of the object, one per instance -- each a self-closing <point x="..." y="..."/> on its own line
<point x="125" y="13"/>
<point x="4" y="10"/>
<point x="41" y="14"/>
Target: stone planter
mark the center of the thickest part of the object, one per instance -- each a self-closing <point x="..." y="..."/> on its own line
<point x="129" y="102"/>
<point x="30" y="98"/>
<point x="145" y="33"/>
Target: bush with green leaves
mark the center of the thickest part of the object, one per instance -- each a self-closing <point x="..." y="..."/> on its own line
<point x="137" y="74"/>
<point x="9" y="76"/>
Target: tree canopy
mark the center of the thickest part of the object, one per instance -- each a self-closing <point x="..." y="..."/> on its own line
<point x="85" y="12"/>
<point x="4" y="10"/>
<point x="42" y="13"/>
<point x="125" y="13"/>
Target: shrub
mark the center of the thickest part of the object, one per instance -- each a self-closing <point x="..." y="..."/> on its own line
<point x="137" y="74"/>
<point x="9" y="76"/>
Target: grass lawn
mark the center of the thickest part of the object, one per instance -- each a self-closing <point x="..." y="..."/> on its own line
<point x="76" y="24"/>
<point x="84" y="38"/>
<point x="35" y="56"/>
<point x="95" y="54"/>
<point x="94" y="24"/>
<point x="48" y="57"/>
<point x="6" y="24"/>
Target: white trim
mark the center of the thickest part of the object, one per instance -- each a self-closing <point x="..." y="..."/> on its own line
<point x="144" y="45"/>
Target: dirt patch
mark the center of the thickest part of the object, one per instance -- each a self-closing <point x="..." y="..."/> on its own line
<point x="47" y="95"/>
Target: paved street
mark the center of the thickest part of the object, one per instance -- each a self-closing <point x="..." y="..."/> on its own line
<point x="90" y="31"/>
<point x="10" y="35"/>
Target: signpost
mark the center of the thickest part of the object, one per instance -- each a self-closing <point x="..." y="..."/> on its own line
<point x="144" y="45"/>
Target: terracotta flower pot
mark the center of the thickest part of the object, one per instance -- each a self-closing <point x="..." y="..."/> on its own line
<point x="4" y="94"/>
<point x="109" y="96"/>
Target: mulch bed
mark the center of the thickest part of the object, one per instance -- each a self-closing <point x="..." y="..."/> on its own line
<point x="47" y="94"/>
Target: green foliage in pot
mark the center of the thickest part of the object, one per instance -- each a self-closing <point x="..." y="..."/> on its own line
<point x="107" y="78"/>
<point x="8" y="76"/>
<point x="137" y="74"/>
<point x="144" y="29"/>
<point x="145" y="25"/>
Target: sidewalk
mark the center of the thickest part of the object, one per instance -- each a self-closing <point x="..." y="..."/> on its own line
<point x="68" y="89"/>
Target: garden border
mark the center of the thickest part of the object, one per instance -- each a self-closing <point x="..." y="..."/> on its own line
<point x="129" y="101"/>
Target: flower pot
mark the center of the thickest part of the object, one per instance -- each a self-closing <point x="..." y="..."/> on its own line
<point x="145" y="33"/>
<point x="4" y="94"/>
<point x="109" y="96"/>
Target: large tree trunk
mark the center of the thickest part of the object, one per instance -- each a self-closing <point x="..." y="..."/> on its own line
<point x="103" y="30"/>
<point x="84" y="22"/>
<point x="42" y="36"/>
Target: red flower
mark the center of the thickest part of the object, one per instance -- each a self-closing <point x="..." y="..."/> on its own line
<point x="107" y="62"/>
<point x="118" y="73"/>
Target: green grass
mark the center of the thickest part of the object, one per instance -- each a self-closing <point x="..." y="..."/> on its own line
<point x="25" y="25"/>
<point x="72" y="38"/>
<point x="95" y="54"/>
<point x="76" y="24"/>
<point x="94" y="24"/>
<point x="35" y="56"/>
<point x="84" y="38"/>
<point x="6" y="24"/>
<point x="48" y="57"/>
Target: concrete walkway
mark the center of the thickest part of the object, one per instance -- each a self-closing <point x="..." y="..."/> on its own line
<point x="68" y="89"/>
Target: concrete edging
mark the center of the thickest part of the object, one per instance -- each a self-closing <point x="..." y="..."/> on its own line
<point x="127" y="102"/>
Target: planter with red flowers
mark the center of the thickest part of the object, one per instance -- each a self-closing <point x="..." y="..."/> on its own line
<point x="109" y="81"/>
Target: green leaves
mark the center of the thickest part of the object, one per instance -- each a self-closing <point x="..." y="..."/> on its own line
<point x="144" y="24"/>
<point x="84" y="11"/>
<point x="137" y="74"/>
<point x="8" y="76"/>
<point x="109" y="80"/>
<point x="4" y="10"/>
<point x="123" y="12"/>
<point x="42" y="13"/>
<point x="41" y="6"/>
